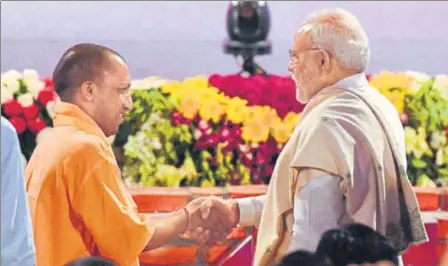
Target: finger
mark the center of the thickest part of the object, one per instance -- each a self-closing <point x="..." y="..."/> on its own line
<point x="205" y="209"/>
<point x="205" y="237"/>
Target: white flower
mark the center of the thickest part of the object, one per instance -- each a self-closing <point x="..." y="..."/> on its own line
<point x="11" y="74"/>
<point x="197" y="134"/>
<point x="439" y="157"/>
<point x="419" y="78"/>
<point x="35" y="86"/>
<point x="147" y="83"/>
<point x="26" y="99"/>
<point x="51" y="107"/>
<point x="441" y="83"/>
<point x="11" y="83"/>
<point x="437" y="139"/>
<point x="6" y="95"/>
<point x="156" y="145"/>
<point x="30" y="74"/>
<point x="155" y="117"/>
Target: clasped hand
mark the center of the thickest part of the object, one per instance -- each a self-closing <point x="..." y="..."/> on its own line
<point x="211" y="219"/>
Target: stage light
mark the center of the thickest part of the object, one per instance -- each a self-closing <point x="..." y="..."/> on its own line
<point x="248" y="24"/>
<point x="248" y="21"/>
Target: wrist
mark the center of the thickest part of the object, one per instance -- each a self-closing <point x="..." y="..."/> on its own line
<point x="185" y="218"/>
<point x="234" y="212"/>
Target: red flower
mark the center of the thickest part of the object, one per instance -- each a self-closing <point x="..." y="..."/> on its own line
<point x="36" y="125"/>
<point x="30" y="112"/>
<point x="262" y="158"/>
<point x="12" y="108"/>
<point x="268" y="169"/>
<point x="46" y="95"/>
<point x="269" y="147"/>
<point x="255" y="177"/>
<point x="205" y="142"/>
<point x="48" y="82"/>
<point x="247" y="159"/>
<point x="177" y="118"/>
<point x="230" y="145"/>
<point x="19" y="124"/>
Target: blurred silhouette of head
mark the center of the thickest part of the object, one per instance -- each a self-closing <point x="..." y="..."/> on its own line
<point x="356" y="244"/>
<point x="91" y="261"/>
<point x="305" y="258"/>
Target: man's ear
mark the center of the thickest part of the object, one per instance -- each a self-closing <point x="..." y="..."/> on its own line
<point x="88" y="91"/>
<point x="325" y="61"/>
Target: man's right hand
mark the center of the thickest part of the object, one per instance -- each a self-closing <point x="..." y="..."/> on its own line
<point x="211" y="219"/>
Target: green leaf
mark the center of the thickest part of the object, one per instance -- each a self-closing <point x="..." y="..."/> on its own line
<point x="443" y="172"/>
<point x="418" y="163"/>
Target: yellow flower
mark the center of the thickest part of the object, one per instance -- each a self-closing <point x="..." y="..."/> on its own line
<point x="171" y="87"/>
<point x="211" y="110"/>
<point x="387" y="80"/>
<point x="236" y="110"/>
<point x="189" y="106"/>
<point x="208" y="183"/>
<point x="269" y="115"/>
<point x="396" y="97"/>
<point x="198" y="82"/>
<point x="256" y="131"/>
<point x="291" y="119"/>
<point x="281" y="131"/>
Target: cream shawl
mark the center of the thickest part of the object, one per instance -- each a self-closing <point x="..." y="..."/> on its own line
<point x="334" y="123"/>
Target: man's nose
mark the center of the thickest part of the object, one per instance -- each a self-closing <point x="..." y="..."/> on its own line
<point x="290" y="68"/>
<point x="128" y="104"/>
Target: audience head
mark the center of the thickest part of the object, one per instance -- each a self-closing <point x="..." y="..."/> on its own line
<point x="96" y="79"/>
<point x="305" y="258"/>
<point x="330" y="45"/>
<point x="91" y="261"/>
<point x="356" y="244"/>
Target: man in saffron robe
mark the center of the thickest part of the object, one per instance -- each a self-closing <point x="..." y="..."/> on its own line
<point x="78" y="202"/>
<point x="345" y="161"/>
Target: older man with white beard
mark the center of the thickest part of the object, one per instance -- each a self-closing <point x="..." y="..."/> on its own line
<point x="345" y="161"/>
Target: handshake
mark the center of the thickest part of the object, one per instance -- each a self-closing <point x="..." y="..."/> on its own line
<point x="210" y="219"/>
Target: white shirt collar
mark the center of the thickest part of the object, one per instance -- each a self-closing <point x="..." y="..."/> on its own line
<point x="354" y="81"/>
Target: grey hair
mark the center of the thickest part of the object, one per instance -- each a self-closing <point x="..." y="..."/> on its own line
<point x="340" y="33"/>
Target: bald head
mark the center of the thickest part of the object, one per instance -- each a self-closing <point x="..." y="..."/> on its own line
<point x="81" y="63"/>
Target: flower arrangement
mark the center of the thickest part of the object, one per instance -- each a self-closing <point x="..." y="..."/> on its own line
<point x="27" y="101"/>
<point x="197" y="134"/>
<point x="230" y="129"/>
<point x="220" y="130"/>
<point x="422" y="102"/>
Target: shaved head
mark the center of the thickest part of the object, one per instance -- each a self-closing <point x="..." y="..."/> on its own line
<point x="80" y="63"/>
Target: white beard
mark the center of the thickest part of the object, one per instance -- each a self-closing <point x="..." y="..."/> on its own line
<point x="301" y="95"/>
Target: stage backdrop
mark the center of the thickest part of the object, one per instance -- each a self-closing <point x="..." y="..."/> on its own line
<point x="180" y="39"/>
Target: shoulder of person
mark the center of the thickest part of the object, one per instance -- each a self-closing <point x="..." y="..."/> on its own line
<point x="8" y="129"/>
<point x="84" y="148"/>
<point x="9" y="136"/>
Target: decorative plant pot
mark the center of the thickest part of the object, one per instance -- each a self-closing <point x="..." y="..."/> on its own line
<point x="429" y="199"/>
